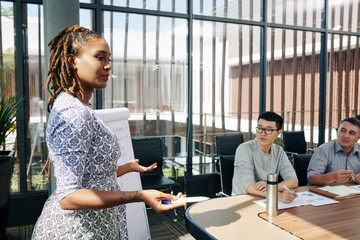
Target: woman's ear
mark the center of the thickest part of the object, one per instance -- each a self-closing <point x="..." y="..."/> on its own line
<point x="71" y="60"/>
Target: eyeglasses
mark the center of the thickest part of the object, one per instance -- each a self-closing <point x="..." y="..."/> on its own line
<point x="268" y="131"/>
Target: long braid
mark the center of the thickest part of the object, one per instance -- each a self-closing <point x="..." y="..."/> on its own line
<point x="61" y="77"/>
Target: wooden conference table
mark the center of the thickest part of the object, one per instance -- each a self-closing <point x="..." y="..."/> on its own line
<point x="237" y="217"/>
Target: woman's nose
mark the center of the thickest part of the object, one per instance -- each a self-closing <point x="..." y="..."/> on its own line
<point x="107" y="66"/>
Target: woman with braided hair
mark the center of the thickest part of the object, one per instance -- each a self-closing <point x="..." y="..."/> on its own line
<point x="87" y="202"/>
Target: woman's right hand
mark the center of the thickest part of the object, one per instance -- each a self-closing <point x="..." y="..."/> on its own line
<point x="153" y="199"/>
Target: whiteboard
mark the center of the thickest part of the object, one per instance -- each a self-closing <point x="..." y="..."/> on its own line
<point x="137" y="221"/>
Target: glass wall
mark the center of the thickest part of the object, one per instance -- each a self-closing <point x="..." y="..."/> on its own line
<point x="239" y="53"/>
<point x="149" y="76"/>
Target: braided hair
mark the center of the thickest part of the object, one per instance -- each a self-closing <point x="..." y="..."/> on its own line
<point x="61" y="77"/>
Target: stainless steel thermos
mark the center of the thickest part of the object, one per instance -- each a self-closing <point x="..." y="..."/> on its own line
<point x="272" y="195"/>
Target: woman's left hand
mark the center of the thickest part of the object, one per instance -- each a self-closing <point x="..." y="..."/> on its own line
<point x="133" y="166"/>
<point x="136" y="167"/>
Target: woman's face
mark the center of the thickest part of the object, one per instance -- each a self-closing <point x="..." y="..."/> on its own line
<point x="92" y="65"/>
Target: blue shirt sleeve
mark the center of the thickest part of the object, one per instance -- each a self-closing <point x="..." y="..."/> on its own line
<point x="318" y="162"/>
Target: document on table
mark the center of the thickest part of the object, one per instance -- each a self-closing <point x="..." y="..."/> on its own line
<point x="342" y="190"/>
<point x="304" y="198"/>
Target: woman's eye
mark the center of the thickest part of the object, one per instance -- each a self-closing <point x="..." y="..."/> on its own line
<point x="100" y="57"/>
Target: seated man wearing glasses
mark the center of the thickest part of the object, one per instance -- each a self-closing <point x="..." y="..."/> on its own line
<point x="338" y="160"/>
<point x="255" y="159"/>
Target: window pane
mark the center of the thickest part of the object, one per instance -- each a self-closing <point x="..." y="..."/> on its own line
<point x="37" y="110"/>
<point x="293" y="79"/>
<point x="8" y="78"/>
<point x="149" y="75"/>
<point x="343" y="81"/>
<point x="225" y="85"/>
<point x="344" y="15"/>
<point x="87" y="1"/>
<point x="295" y="12"/>
<point x="243" y="9"/>
<point x="87" y="18"/>
<point x="178" y="6"/>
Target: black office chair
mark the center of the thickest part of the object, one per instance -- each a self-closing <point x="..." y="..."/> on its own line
<point x="301" y="163"/>
<point x="225" y="149"/>
<point x="226" y="174"/>
<point x="149" y="151"/>
<point x="294" y="142"/>
<point x="227" y="144"/>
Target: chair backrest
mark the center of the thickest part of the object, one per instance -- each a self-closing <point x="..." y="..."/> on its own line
<point x="294" y="141"/>
<point x="226" y="145"/>
<point x="301" y="162"/>
<point x="226" y="172"/>
<point x="149" y="151"/>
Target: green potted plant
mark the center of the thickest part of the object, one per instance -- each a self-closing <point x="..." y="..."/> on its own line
<point x="8" y="108"/>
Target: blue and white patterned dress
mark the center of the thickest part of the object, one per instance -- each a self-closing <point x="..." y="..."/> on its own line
<point x="84" y="153"/>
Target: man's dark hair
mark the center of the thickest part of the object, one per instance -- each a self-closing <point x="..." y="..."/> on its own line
<point x="273" y="117"/>
<point x="352" y="120"/>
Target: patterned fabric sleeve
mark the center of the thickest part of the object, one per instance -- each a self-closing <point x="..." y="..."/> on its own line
<point x="70" y="132"/>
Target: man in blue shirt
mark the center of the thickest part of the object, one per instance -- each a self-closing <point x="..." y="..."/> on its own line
<point x="338" y="160"/>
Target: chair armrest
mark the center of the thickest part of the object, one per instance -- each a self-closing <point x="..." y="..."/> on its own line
<point x="174" y="166"/>
<point x="290" y="153"/>
<point x="311" y="149"/>
<point x="222" y="194"/>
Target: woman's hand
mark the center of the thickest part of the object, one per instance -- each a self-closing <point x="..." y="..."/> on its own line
<point x="153" y="199"/>
<point x="134" y="166"/>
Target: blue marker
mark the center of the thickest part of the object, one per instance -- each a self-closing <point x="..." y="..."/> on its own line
<point x="185" y="199"/>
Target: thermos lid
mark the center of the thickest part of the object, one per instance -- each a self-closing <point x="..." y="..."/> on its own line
<point x="272" y="177"/>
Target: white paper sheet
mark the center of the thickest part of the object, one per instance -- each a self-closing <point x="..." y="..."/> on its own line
<point x="342" y="190"/>
<point x="304" y="198"/>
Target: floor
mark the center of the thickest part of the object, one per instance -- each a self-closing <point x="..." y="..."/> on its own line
<point x="162" y="227"/>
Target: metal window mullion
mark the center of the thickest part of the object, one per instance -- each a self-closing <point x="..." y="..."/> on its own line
<point x="323" y="78"/>
<point x="20" y="122"/>
<point x="99" y="29"/>
<point x="239" y="108"/>
<point x="126" y="38"/>
<point x="295" y="74"/>
<point x="223" y="57"/>
<point x="157" y="75"/>
<point x="263" y="49"/>
<point x="189" y="130"/>
<point x="144" y="75"/>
